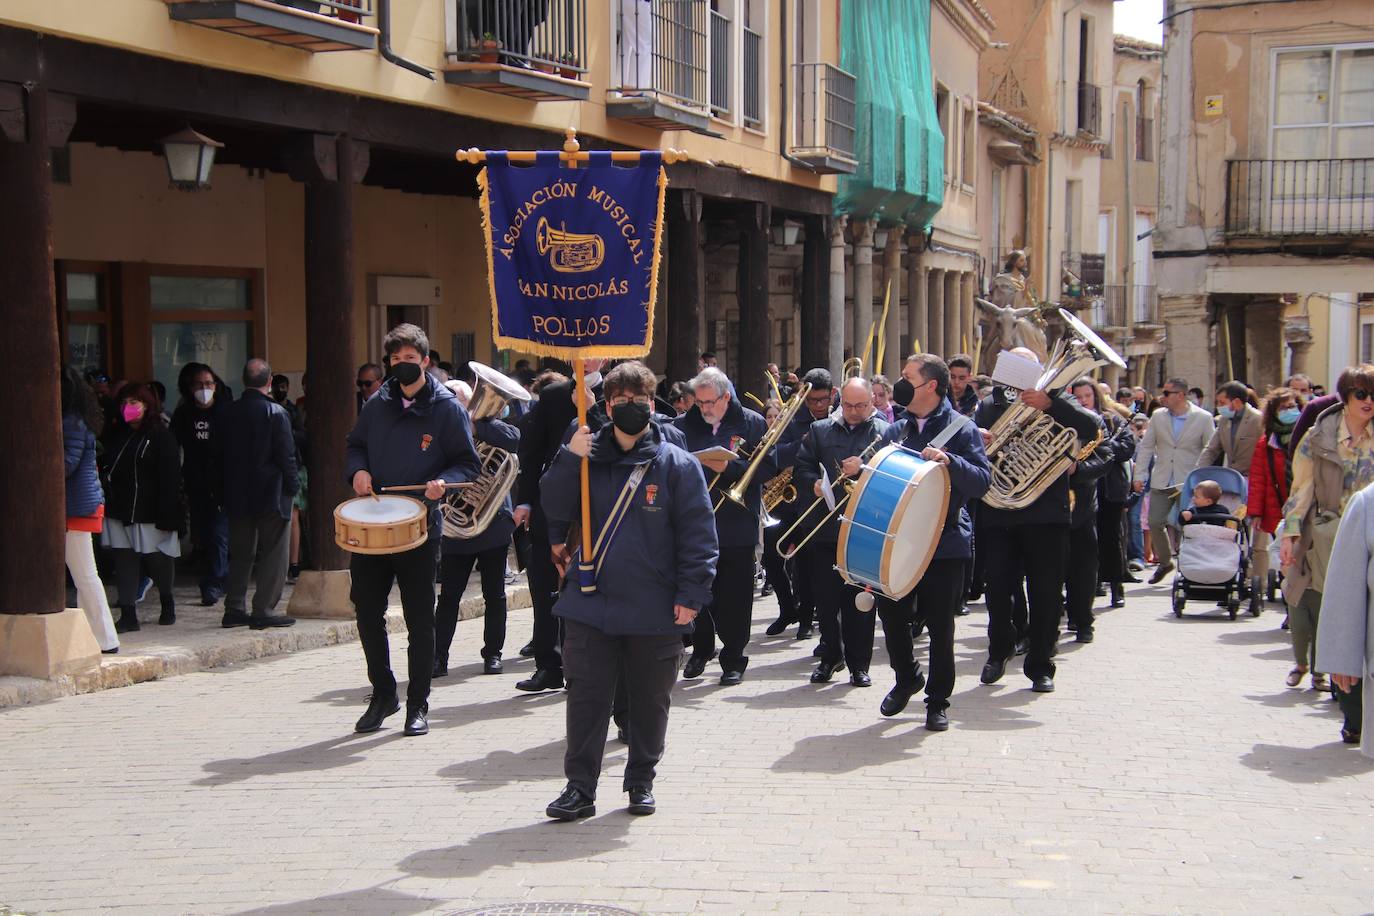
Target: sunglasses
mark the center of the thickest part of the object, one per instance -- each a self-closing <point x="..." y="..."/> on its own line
<point x="1360" y="394"/>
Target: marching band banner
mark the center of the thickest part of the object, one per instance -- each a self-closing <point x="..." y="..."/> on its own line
<point x="573" y="254"/>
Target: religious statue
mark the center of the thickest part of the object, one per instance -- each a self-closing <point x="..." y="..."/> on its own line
<point x="1010" y="319"/>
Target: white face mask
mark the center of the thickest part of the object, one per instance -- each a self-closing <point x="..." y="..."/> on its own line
<point x="205" y="395"/>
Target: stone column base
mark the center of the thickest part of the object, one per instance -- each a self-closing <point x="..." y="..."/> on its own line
<point x="47" y="645"/>
<point x="322" y="593"/>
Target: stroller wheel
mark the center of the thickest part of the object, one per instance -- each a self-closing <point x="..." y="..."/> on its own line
<point x="1273" y="589"/>
<point x="1180" y="599"/>
<point x="1256" y="604"/>
<point x="1233" y="607"/>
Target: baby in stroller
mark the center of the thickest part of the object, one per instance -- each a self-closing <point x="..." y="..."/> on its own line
<point x="1207" y="508"/>
<point x="1214" y="544"/>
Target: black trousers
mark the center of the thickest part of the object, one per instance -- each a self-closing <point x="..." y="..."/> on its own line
<point x="1080" y="580"/>
<point x="1352" y="705"/>
<point x="129" y="565"/>
<point x="543" y="581"/>
<point x="776" y="567"/>
<point x="593" y="662"/>
<point x="846" y="632"/>
<point x="799" y="569"/>
<point x="1111" y="542"/>
<point x="730" y="612"/>
<point x="938" y="595"/>
<point x="1041" y="552"/>
<point x="373" y="576"/>
<point x="454" y="570"/>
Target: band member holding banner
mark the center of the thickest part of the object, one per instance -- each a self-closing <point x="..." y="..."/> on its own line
<point x="655" y="559"/>
<point x="836" y="447"/>
<point x="937" y="432"/>
<point x="411" y="431"/>
<point x="717" y="419"/>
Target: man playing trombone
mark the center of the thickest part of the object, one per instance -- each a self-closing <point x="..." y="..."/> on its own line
<point x="835" y="450"/>
<point x="718" y="419"/>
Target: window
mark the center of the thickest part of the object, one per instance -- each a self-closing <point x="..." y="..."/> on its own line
<point x="1323" y="103"/>
<point x="946" y="127"/>
<point x="969" y="147"/>
<point x="1366" y="338"/>
<point x="83" y="290"/>
<point x="1073" y="200"/>
<point x="753" y="16"/>
<point x="205" y="319"/>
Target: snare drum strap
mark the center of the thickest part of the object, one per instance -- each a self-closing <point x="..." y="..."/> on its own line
<point x="616" y="516"/>
<point x="956" y="423"/>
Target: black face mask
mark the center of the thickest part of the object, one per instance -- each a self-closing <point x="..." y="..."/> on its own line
<point x="630" y="418"/>
<point x="279" y="395"/>
<point x="406" y="373"/>
<point x="902" y="393"/>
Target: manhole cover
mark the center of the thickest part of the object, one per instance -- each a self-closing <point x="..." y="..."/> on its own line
<point x="537" y="908"/>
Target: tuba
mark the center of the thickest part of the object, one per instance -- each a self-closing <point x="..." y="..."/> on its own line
<point x="467" y="512"/>
<point x="569" y="252"/>
<point x="1028" y="449"/>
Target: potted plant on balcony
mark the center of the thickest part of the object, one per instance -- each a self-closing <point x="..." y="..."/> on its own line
<point x="568" y="68"/>
<point x="543" y="65"/>
<point x="489" y="49"/>
<point x="354" y="18"/>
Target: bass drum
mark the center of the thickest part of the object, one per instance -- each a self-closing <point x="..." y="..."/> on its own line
<point x="894" y="522"/>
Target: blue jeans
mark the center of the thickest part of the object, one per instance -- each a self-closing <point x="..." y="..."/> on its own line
<point x="210" y="530"/>
<point x="1135" y="535"/>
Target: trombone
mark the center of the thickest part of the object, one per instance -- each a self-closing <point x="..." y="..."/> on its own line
<point x="736" y="493"/>
<point x="843" y="480"/>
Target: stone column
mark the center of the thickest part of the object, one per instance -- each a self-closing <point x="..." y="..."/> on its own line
<point x="935" y="296"/>
<point x="918" y="318"/>
<point x="816" y="304"/>
<point x="967" y="343"/>
<point x="1297" y="333"/>
<point x="834" y="359"/>
<point x="330" y="167"/>
<point x="952" y="313"/>
<point x="863" y="289"/>
<point x="683" y="293"/>
<point x="755" y="328"/>
<point x="892" y="328"/>
<point x="1188" y="353"/>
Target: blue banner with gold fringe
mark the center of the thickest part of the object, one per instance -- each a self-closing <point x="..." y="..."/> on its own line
<point x="572" y="254"/>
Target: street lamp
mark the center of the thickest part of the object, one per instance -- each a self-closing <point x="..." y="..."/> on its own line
<point x="189" y="157"/>
<point x="785" y="233"/>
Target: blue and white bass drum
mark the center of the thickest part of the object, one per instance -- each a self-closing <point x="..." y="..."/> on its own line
<point x="892" y="524"/>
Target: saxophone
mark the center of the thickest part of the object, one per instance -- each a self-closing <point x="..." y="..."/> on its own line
<point x="467" y="512"/>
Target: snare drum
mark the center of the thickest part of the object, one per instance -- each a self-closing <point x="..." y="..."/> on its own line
<point x="383" y="524"/>
<point x="893" y="522"/>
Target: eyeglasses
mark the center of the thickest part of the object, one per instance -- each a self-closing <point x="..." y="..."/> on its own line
<point x="823" y="398"/>
<point x="1165" y="392"/>
<point x="864" y="405"/>
<point x="708" y="404"/>
<point x="1360" y="394"/>
<point x="642" y="400"/>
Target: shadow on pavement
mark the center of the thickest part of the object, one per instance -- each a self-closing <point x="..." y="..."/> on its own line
<point x="867" y="747"/>
<point x="1309" y="765"/>
<point x="1250" y="637"/>
<point x="362" y="900"/>
<point x="501" y="767"/>
<point x="322" y="755"/>
<point x="539" y="843"/>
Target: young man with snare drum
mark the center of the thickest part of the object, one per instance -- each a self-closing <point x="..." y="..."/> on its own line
<point x="411" y="431"/>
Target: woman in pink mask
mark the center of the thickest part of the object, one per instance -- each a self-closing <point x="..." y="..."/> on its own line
<point x="143" y="511"/>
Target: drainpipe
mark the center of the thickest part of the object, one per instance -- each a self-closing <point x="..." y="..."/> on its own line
<point x="1128" y="155"/>
<point x="782" y="137"/>
<point x="384" y="42"/>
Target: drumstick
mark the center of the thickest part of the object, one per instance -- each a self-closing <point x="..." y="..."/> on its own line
<point x="424" y="486"/>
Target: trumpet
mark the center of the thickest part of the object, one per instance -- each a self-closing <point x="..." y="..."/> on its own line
<point x="737" y="493"/>
<point x="843" y="480"/>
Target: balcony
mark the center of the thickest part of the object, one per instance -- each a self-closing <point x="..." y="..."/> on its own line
<point x="1090" y="109"/>
<point x="1321" y="201"/>
<point x="1144" y="139"/>
<point x="721" y="84"/>
<point x="660" y="73"/>
<point x="533" y="51"/>
<point x="753" y="93"/>
<point x="311" y="25"/>
<point x="1082" y="276"/>
<point x="823" y="126"/>
<point x="1121" y="306"/>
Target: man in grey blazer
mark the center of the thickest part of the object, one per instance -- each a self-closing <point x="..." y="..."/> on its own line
<point x="1175" y="438"/>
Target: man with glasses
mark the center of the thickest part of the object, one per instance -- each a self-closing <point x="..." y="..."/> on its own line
<point x="1174" y="440"/>
<point x="833" y="448"/>
<point x="717" y="419"/>
<point x="369" y="380"/>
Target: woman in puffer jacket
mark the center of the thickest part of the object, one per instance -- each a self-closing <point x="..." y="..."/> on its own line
<point x="82" y="419"/>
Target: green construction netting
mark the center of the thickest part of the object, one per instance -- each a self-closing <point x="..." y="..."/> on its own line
<point x="899" y="146"/>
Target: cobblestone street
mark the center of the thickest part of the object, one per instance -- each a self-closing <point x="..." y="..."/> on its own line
<point x="1171" y="772"/>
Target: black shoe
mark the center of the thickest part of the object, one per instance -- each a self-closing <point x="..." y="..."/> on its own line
<point x="1101" y="591"/>
<point x="917" y="627"/>
<point x="860" y="679"/>
<point x="1161" y="572"/>
<point x="293" y="572"/>
<point x="1085" y="634"/>
<point x="440" y="668"/>
<point x="765" y="591"/>
<point x="806" y="631"/>
<point x="571" y="805"/>
<point x="776" y="627"/>
<point x="993" y="670"/>
<point x="642" y="800"/>
<point x="1022" y="646"/>
<point x="1042" y="683"/>
<point x="268" y="621"/>
<point x="695" y="667"/>
<point x="819" y="651"/>
<point x="527" y="650"/>
<point x="168" y="615"/>
<point x="1118" y="595"/>
<point x="128" y="619"/>
<point x="492" y="665"/>
<point x="1349" y="736"/>
<point x="961" y="611"/>
<point x="621" y="735"/>
<point x="974" y="594"/>
<point x="937" y="720"/>
<point x="1282" y="626"/>
<point x="114" y="651"/>
<point x="1130" y="577"/>
<point x="378" y="708"/>
<point x="541" y="680"/>
<point x="233" y="619"/>
<point x="1070" y="626"/>
<point x="825" y="671"/>
<point x="899" y="696"/>
<point x="417" y="719"/>
<point x="210" y="597"/>
<point x="731" y="678"/>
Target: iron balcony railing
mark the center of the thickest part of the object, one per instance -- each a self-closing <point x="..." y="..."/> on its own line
<point x="1121" y="306"/>
<point x="825" y="109"/>
<point x="1299" y="197"/>
<point x="354" y="11"/>
<point x="1083" y="275"/>
<point x="1144" y="139"/>
<point x="1090" y="108"/>
<point x="664" y="50"/>
<point x="753" y="79"/>
<point x="548" y="36"/>
<point x="721" y="85"/>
